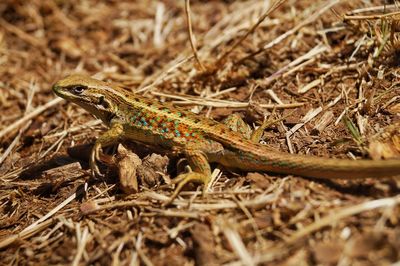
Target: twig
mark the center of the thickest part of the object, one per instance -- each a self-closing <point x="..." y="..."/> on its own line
<point x="315" y="51"/>
<point x="258" y="201"/>
<point x="191" y="37"/>
<point x="25" y="234"/>
<point x="190" y="100"/>
<point x="26" y="118"/>
<point x="337" y="215"/>
<point x="158" y="24"/>
<point x="22" y="34"/>
<point x="54" y="210"/>
<point x="81" y="239"/>
<point x="237" y="244"/>
<point x="89" y="124"/>
<point x="162" y="76"/>
<point x="139" y="250"/>
<point x="32" y="89"/>
<point x="324" y="7"/>
<point x="310" y="115"/>
<point x="272" y="8"/>
<point x="375" y="16"/>
<point x="56" y="143"/>
<point x="13" y="143"/>
<point x="374" y="8"/>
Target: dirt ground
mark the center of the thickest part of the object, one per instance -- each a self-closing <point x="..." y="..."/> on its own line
<point x="327" y="71"/>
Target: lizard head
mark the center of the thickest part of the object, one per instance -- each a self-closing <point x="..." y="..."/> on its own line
<point x="93" y="95"/>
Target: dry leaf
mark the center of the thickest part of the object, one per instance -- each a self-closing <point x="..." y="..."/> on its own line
<point x="127" y="163"/>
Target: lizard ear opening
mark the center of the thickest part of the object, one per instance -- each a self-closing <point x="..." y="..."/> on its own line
<point x="103" y="102"/>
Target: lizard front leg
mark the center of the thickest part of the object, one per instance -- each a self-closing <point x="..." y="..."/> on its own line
<point x="110" y="137"/>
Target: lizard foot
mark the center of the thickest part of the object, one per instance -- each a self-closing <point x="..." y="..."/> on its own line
<point x="97" y="155"/>
<point x="183" y="179"/>
<point x="94" y="157"/>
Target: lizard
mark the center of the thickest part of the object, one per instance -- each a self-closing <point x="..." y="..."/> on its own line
<point x="200" y="140"/>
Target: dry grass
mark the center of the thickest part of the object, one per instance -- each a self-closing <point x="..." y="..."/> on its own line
<point x="336" y="63"/>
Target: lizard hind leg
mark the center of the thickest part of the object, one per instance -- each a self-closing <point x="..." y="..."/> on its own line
<point x="201" y="173"/>
<point x="237" y="124"/>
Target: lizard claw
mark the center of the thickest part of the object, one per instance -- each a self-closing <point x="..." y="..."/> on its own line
<point x="94" y="157"/>
<point x="95" y="171"/>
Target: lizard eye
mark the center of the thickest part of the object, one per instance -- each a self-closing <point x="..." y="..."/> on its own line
<point x="78" y="89"/>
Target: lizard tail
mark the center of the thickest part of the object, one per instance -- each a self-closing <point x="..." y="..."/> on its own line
<point x="309" y="166"/>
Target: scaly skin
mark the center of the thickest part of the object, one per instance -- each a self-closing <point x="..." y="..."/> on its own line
<point x="200" y="140"/>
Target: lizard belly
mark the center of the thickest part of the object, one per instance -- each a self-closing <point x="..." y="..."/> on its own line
<point x="148" y="136"/>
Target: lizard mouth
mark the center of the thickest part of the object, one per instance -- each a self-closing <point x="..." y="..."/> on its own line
<point x="65" y="93"/>
<point x="61" y="92"/>
<point x="56" y="89"/>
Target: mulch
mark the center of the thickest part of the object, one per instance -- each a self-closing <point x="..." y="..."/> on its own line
<point x="326" y="71"/>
